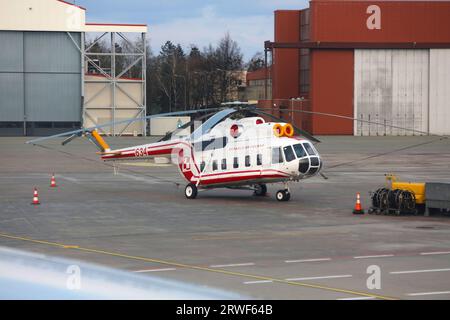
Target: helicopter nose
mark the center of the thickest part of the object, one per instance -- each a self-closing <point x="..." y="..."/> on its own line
<point x="310" y="165"/>
<point x="303" y="165"/>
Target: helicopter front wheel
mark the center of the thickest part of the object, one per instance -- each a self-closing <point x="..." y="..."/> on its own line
<point x="191" y="191"/>
<point x="283" y="195"/>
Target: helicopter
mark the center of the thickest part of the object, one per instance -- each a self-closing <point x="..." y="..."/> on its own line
<point x="235" y="148"/>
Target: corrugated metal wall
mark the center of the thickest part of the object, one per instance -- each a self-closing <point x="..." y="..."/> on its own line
<point x="440" y="91"/>
<point x="11" y="80"/>
<point x="391" y="87"/>
<point x="40" y="80"/>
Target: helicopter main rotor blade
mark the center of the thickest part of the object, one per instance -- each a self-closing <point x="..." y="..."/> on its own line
<point x="340" y="116"/>
<point x="169" y="135"/>
<point x="81" y="131"/>
<point x="211" y="122"/>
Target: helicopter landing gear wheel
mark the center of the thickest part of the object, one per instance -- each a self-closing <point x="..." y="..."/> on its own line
<point x="260" y="190"/>
<point x="283" y="195"/>
<point x="191" y="191"/>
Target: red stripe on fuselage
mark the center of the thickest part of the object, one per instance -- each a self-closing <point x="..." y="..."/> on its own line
<point x="150" y="153"/>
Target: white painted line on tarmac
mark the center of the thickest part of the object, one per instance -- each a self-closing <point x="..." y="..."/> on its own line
<point x="232" y="265"/>
<point x="358" y="298"/>
<point x="73" y="180"/>
<point x="419" y="271"/>
<point x="258" y="281"/>
<point x="140" y="179"/>
<point x="427" y="293"/>
<point x="155" y="270"/>
<point x="434" y="253"/>
<point x="321" y="277"/>
<point x="308" y="260"/>
<point x="375" y="256"/>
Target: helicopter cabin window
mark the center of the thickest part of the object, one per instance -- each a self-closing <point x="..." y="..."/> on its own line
<point x="202" y="166"/>
<point x="224" y="164"/>
<point x="289" y="153"/>
<point x="309" y="149"/>
<point x="214" y="165"/>
<point x="276" y="155"/>
<point x="247" y="161"/>
<point x="236" y="163"/>
<point x="211" y="144"/>
<point x="259" y="159"/>
<point x="299" y="150"/>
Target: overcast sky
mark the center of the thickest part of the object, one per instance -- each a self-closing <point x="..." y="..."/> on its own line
<point x="200" y="22"/>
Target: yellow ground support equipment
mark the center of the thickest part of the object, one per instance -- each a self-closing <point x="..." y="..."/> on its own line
<point x="398" y="197"/>
<point x="417" y="188"/>
<point x="410" y="197"/>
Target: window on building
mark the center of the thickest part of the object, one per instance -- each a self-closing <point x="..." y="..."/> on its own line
<point x="276" y="155"/>
<point x="247" y="161"/>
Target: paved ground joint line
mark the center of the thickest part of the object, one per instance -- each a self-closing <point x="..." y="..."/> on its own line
<point x="194" y="267"/>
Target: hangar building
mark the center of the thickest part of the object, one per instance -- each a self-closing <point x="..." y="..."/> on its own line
<point x="45" y="84"/>
<point x="382" y="61"/>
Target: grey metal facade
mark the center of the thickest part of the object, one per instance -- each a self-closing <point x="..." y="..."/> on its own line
<point x="40" y="82"/>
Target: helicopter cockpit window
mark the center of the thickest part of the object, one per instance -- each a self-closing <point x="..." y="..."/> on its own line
<point x="299" y="150"/>
<point x="309" y="149"/>
<point x="289" y="153"/>
<point x="277" y="157"/>
<point x="211" y="144"/>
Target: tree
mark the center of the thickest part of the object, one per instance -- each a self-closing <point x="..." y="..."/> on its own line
<point x="198" y="79"/>
<point x="256" y="62"/>
<point x="227" y="58"/>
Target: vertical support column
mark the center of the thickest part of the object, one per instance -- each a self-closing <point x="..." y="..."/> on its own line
<point x="83" y="61"/>
<point x="24" y="86"/>
<point x="266" y="74"/>
<point x="144" y="82"/>
<point x="113" y="82"/>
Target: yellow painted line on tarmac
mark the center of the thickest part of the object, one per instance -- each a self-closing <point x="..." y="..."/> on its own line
<point x="200" y="268"/>
<point x="71" y="247"/>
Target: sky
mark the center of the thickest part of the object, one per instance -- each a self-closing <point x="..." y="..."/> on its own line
<point x="200" y="22"/>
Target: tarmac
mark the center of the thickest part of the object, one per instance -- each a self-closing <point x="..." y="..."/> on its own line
<point x="311" y="247"/>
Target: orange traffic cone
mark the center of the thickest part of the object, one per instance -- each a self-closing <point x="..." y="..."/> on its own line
<point x="53" y="181"/>
<point x="358" y="208"/>
<point x="35" y="198"/>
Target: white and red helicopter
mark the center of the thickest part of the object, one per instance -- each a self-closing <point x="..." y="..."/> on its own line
<point x="235" y="148"/>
